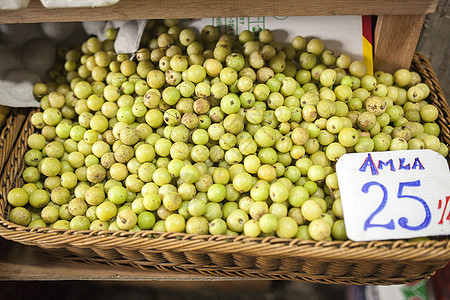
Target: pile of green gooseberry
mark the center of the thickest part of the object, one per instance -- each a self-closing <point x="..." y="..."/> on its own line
<point x="206" y="133"/>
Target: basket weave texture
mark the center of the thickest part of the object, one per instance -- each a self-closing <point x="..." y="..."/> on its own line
<point x="332" y="262"/>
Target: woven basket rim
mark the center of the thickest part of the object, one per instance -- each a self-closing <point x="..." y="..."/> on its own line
<point x="435" y="251"/>
<point x="387" y="250"/>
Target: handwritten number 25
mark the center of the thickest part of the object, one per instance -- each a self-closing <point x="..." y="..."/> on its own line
<point x="403" y="222"/>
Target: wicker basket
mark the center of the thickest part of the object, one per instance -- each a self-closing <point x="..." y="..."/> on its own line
<point x="374" y="263"/>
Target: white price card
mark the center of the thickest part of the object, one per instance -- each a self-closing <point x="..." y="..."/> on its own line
<point x="394" y="194"/>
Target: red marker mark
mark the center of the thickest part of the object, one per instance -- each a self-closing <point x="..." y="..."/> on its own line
<point x="447" y="199"/>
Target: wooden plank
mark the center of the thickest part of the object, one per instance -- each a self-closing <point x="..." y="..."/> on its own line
<point x="20" y="262"/>
<point x="155" y="9"/>
<point x="396" y="41"/>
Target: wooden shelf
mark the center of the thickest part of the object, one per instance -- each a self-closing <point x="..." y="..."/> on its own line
<point x="20" y="262"/>
<point x="155" y="9"/>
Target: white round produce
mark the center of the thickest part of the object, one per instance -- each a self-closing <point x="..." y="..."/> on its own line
<point x="96" y="28"/>
<point x="18" y="88"/>
<point x="14" y="4"/>
<point x="15" y="34"/>
<point x="58" y="31"/>
<point x="38" y="56"/>
<point x="77" y="3"/>
<point x="8" y="59"/>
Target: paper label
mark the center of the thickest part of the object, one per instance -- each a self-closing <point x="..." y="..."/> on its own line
<point x="394" y="194"/>
<point x="342" y="34"/>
